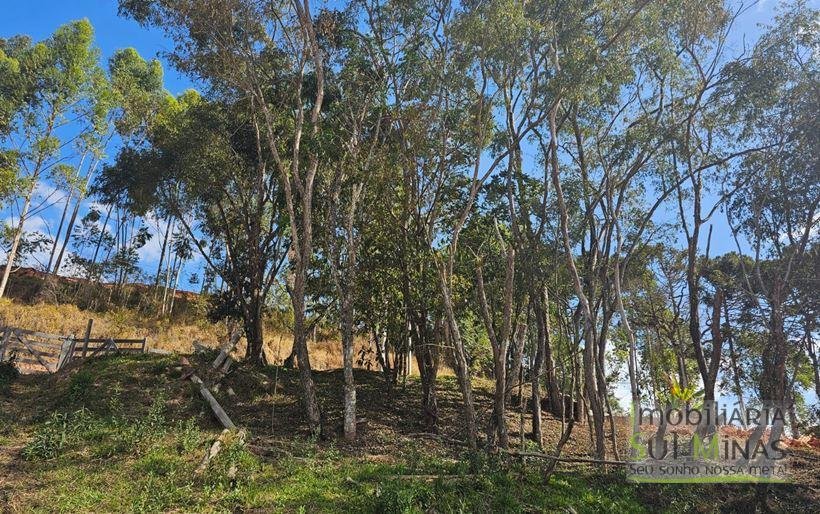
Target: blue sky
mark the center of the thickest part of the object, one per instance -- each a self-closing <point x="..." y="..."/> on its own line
<point x="39" y="19"/>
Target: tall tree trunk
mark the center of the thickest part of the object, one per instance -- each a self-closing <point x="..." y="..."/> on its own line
<point x="102" y="235"/>
<point x="165" y="238"/>
<point x="517" y="355"/>
<point x="589" y="360"/>
<point x="460" y="362"/>
<point x="59" y="230"/>
<point x="537" y="371"/>
<point x="735" y="369"/>
<point x="500" y="343"/>
<point x="176" y="287"/>
<point x="427" y="360"/>
<point x="15" y="244"/>
<point x="67" y="237"/>
<point x="300" y="349"/>
<point x="815" y="362"/>
<point x="74" y="213"/>
<point x="773" y="375"/>
<point x="347" y="354"/>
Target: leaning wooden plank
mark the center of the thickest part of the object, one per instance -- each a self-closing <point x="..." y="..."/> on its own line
<point x="45" y="348"/>
<point x="99" y="350"/>
<point x="215" y="407"/>
<point x="65" y="353"/>
<point x="116" y="340"/>
<point x="35" y="353"/>
<point x="226" y="350"/>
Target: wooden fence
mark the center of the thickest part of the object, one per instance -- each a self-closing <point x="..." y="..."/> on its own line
<point x="37" y="352"/>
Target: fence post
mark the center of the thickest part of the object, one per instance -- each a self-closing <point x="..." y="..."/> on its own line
<point x="65" y="352"/>
<point x="144" y="339"/>
<point x="87" y="336"/>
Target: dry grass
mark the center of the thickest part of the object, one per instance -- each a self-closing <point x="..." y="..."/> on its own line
<point x="66" y="319"/>
<point x="174" y="335"/>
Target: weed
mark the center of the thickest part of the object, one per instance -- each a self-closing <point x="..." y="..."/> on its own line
<point x="188" y="435"/>
<point x="49" y="439"/>
<point x="79" y="385"/>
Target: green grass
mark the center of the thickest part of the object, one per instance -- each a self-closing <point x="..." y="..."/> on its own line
<point x="89" y="462"/>
<point x="125" y="434"/>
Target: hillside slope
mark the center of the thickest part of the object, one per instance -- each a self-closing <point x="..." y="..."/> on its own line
<point x="175" y="334"/>
<point x="127" y="433"/>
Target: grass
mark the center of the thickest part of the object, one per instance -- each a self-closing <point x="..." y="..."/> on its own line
<point x="125" y="434"/>
<point x="171" y="334"/>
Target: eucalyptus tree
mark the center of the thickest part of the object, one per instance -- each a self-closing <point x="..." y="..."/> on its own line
<point x="65" y="101"/>
<point x="202" y="162"/>
<point x="136" y="91"/>
<point x="776" y="211"/>
<point x="430" y="124"/>
<point x="268" y="54"/>
<point x="355" y="110"/>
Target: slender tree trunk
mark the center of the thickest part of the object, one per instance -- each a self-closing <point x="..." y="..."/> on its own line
<point x="347" y="354"/>
<point x="427" y="360"/>
<point x="735" y="369"/>
<point x="165" y="238"/>
<point x="59" y="231"/>
<point x="815" y="362"/>
<point x="589" y="360"/>
<point x="176" y="286"/>
<point x="67" y="237"/>
<point x="168" y="274"/>
<point x="773" y="373"/>
<point x="254" y="331"/>
<point x="460" y="362"/>
<point x="537" y="371"/>
<point x="74" y="214"/>
<point x="300" y="349"/>
<point x="102" y="235"/>
<point x="516" y="364"/>
<point x="15" y="244"/>
<point x="500" y="343"/>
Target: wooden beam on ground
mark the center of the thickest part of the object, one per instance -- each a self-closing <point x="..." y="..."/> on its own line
<point x="217" y="409"/>
<point x="538" y="455"/>
<point x="225" y="351"/>
<point x="214" y="449"/>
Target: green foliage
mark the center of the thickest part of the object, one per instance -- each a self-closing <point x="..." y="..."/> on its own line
<point x="79" y="385"/>
<point x="111" y="435"/>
